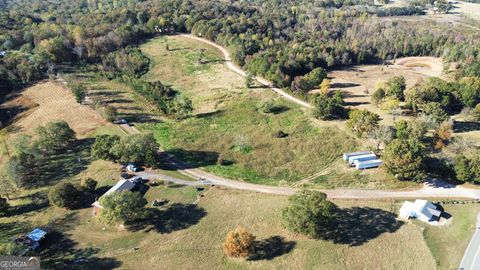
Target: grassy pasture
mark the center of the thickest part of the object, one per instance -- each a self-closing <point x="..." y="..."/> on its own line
<point x="193" y="240"/>
<point x="228" y="123"/>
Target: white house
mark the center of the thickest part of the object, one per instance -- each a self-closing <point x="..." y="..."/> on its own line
<point x="420" y="209"/>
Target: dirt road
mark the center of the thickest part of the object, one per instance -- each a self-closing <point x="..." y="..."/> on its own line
<point x="431" y="189"/>
<point x="231" y="65"/>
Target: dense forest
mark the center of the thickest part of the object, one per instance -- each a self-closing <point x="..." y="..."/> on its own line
<point x="278" y="39"/>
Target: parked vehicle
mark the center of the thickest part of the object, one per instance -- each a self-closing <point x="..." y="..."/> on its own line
<point x="131" y="167"/>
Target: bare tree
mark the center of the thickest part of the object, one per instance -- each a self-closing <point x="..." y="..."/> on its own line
<point x="381" y="134"/>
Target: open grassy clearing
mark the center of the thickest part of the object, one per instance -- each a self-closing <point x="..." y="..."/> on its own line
<point x="228" y="123"/>
<point x="209" y="84"/>
<point x="439" y="239"/>
<point x="195" y="240"/>
<point x="54" y="102"/>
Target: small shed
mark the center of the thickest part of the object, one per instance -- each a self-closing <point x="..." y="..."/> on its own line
<point x="351" y="160"/>
<point x="420" y="209"/>
<point x="34" y="238"/>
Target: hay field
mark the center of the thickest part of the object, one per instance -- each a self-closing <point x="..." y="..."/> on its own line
<point x="55" y="102"/>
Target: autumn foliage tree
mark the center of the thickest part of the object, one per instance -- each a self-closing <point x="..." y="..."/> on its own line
<point x="443" y="134"/>
<point x="239" y="243"/>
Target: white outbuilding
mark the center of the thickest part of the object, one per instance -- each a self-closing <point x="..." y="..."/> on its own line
<point x="420" y="209"/>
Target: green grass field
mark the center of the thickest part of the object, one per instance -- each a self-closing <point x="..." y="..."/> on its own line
<point x="188" y="237"/>
<point x="440" y="239"/>
<point x="228" y="123"/>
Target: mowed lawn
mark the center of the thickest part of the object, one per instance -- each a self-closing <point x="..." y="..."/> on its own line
<point x="228" y="123"/>
<point x="193" y="236"/>
<point x="439" y="239"/>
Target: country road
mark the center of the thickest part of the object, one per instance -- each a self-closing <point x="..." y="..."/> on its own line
<point x="433" y="188"/>
<point x="471" y="258"/>
<point x="231" y="65"/>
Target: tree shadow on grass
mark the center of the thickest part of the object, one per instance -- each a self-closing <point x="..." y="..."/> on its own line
<point x="271" y="248"/>
<point x="210" y="114"/>
<point x="460" y="127"/>
<point x="358" y="225"/>
<point x="278" y="109"/>
<point x="58" y="251"/>
<point x="39" y="201"/>
<point x="65" y="164"/>
<point x="10" y="230"/>
<point x="176" y="217"/>
<point x="188" y="159"/>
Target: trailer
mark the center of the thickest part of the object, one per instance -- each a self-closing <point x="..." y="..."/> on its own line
<point x="348" y="155"/>
<point x="362" y="165"/>
<point x="351" y="160"/>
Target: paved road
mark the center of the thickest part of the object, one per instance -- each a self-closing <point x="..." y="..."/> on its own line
<point x="471" y="258"/>
<point x="238" y="70"/>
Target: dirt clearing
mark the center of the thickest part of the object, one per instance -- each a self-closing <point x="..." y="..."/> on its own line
<point x="358" y="82"/>
<point x="55" y="102"/>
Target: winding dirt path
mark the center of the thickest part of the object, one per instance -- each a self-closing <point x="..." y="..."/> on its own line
<point x="433" y="188"/>
<point x="231" y="65"/>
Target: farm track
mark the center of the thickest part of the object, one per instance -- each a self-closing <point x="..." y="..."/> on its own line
<point x="433" y="188"/>
<point x="231" y="65"/>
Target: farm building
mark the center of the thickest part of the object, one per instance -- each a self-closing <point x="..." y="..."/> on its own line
<point x="346" y="156"/>
<point x="119" y="186"/>
<point x="351" y="160"/>
<point x="420" y="209"/>
<point x="367" y="164"/>
<point x="362" y="160"/>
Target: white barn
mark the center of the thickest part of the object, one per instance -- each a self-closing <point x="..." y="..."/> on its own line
<point x="420" y="209"/>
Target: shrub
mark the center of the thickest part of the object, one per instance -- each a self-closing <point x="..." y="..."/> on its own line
<point x="378" y="96"/>
<point x="239" y="243"/>
<point x="3" y="205"/>
<point x="88" y="184"/>
<point x="64" y="195"/>
<point x="78" y="91"/>
<point x="308" y="212"/>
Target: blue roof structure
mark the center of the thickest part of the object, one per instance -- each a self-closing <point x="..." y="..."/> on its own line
<point x="37" y="234"/>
